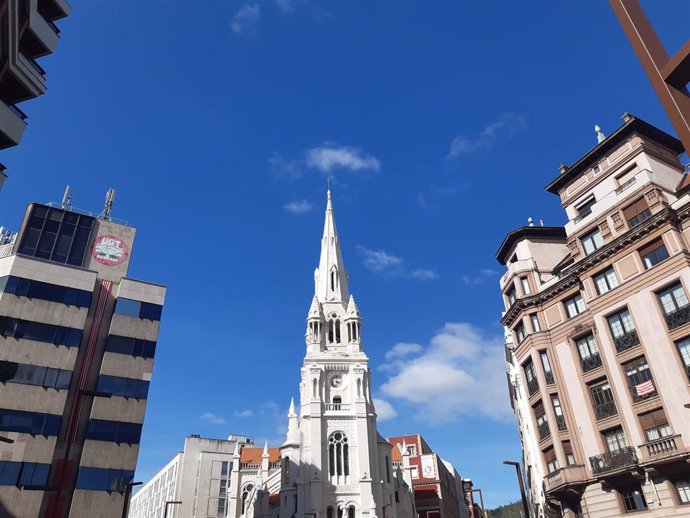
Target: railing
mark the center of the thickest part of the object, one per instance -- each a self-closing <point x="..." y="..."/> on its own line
<point x="613" y="460"/>
<point x="337" y="407"/>
<point x="591" y="362"/>
<point x="509" y="355"/>
<point x="543" y="430"/>
<point x="554" y="478"/>
<point x="583" y="215"/>
<point x="637" y="397"/>
<point x="678" y="317"/>
<point x="87" y="213"/>
<point x="626" y="185"/>
<point x="6" y="250"/>
<point x="567" y="475"/>
<point x="532" y="386"/>
<point x="662" y="446"/>
<point x="549" y="377"/>
<point x="626" y="341"/>
<point x="560" y="422"/>
<point x="605" y="409"/>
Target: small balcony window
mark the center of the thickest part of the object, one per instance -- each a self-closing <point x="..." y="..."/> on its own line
<point x="589" y="352"/>
<point x="675" y="305"/>
<point x="640" y="380"/>
<point x="602" y="400"/>
<point x="623" y="330"/>
<point x="574" y="305"/>
<point x="653" y="253"/>
<point x="531" y="377"/>
<point x="592" y="241"/>
<point x="606" y="281"/>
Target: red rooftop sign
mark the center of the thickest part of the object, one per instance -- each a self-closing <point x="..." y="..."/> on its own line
<point x="110" y="250"/>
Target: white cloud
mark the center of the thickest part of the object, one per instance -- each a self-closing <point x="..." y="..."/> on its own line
<point x="508" y="123"/>
<point x="212" y="418"/>
<point x="246" y="19"/>
<point x="481" y="278"/>
<point x="330" y="156"/>
<point x="461" y="372"/>
<point x="384" y="410"/>
<point x="286" y="5"/>
<point x="403" y="349"/>
<point x="298" y="207"/>
<point x="243" y="413"/>
<point x="286" y="168"/>
<point x="384" y="263"/>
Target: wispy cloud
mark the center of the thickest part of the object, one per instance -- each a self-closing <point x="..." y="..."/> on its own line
<point x="243" y="413"/>
<point x="330" y="156"/>
<point x="298" y="207"/>
<point x="384" y="410"/>
<point x="213" y="418"/>
<point x="460" y="372"/>
<point x="508" y="124"/>
<point x="384" y="263"/>
<point x="484" y="275"/>
<point x="286" y="6"/>
<point x="246" y="20"/>
<point x="286" y="168"/>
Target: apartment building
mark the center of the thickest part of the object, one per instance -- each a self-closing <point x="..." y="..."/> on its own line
<point x="27" y="33"/>
<point x="598" y="321"/>
<point x="77" y="342"/>
<point x="438" y="488"/>
<point x="198" y="478"/>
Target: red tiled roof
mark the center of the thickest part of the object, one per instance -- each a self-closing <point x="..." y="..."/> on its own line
<point x="254" y="455"/>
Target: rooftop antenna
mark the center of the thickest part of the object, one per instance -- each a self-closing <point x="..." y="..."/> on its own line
<point x="530" y="222"/>
<point x="67" y="198"/>
<point x="541" y="222"/>
<point x="600" y="135"/>
<point x="108" y="207"/>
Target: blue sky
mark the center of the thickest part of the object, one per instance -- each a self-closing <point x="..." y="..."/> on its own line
<point x="440" y="122"/>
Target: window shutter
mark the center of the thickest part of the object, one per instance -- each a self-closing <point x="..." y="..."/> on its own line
<point x="653" y="418"/>
<point x="549" y="455"/>
<point x="650" y="247"/>
<point x="634" y="209"/>
<point x="539" y="408"/>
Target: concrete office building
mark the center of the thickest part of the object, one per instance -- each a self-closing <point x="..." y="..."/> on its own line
<point x="27" y="32"/>
<point x="599" y="321"/>
<point x="198" y="477"/>
<point x="77" y="341"/>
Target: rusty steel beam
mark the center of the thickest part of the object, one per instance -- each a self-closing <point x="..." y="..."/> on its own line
<point x="669" y="76"/>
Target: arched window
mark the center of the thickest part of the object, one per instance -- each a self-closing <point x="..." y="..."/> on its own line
<point x="337" y="331"/>
<point x="337" y="402"/>
<point x="351" y="512"/>
<point x="331" y="325"/>
<point x="245" y="493"/>
<point x="329" y="512"/>
<point x="338" y="455"/>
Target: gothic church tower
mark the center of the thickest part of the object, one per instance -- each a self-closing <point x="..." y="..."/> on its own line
<point x="334" y="463"/>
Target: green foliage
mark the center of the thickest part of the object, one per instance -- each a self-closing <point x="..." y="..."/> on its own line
<point x="512" y="510"/>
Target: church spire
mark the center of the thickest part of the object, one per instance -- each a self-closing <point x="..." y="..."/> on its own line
<point x="331" y="277"/>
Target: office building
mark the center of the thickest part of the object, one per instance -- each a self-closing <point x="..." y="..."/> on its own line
<point x="77" y="342"/>
<point x="598" y="321"/>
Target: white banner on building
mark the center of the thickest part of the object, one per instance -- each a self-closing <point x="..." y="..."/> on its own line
<point x="428" y="468"/>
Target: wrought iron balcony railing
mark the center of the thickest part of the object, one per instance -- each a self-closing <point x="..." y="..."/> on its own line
<point x="605" y="409"/>
<point x="626" y="341"/>
<point x="591" y="362"/>
<point x="543" y="430"/>
<point x="560" y="421"/>
<point x="613" y="460"/>
<point x="678" y="317"/>
<point x="532" y="386"/>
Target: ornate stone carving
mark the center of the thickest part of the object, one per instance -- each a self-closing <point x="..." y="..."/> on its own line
<point x="617" y="218"/>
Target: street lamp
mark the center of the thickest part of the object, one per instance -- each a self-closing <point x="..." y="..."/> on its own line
<point x="169" y="502"/>
<point x="128" y="494"/>
<point x="522" y="486"/>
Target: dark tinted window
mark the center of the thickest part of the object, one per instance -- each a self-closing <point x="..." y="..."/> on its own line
<point x="56" y="235"/>
<point x="34" y="375"/>
<point x="131" y="346"/>
<point x="114" y="431"/>
<point x="23" y="473"/>
<point x="45" y="291"/>
<point x="39" y="332"/>
<point x="138" y="309"/>
<point x="125" y="387"/>
<point x="102" y="479"/>
<point x="30" y="422"/>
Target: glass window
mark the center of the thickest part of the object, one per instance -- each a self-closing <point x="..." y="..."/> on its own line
<point x="653" y="253"/>
<point x="512" y="297"/>
<point x="39" y="332"/>
<point x="520" y="332"/>
<point x="615" y="439"/>
<point x="525" y="285"/>
<point x="124" y="387"/>
<point x="130" y="346"/>
<point x="30" y="422"/>
<point x="585" y="209"/>
<point x="606" y="281"/>
<point x="684" y="350"/>
<point x="574" y="305"/>
<point x="44" y="291"/>
<point x="633" y="498"/>
<point x="114" y="431"/>
<point x="34" y="474"/>
<point x="683" y="490"/>
<point x="138" y="309"/>
<point x="338" y="455"/>
<point x="621" y="323"/>
<point x="534" y="319"/>
<point x="592" y="241"/>
<point x="639" y="379"/>
<point x="673" y="298"/>
<point x="103" y="479"/>
<point x="587" y="346"/>
<point x="9" y="473"/>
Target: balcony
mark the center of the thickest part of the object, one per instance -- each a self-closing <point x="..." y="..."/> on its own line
<point x="611" y="461"/>
<point x="626" y="341"/>
<point x="605" y="409"/>
<point x="532" y="386"/>
<point x="337" y="407"/>
<point x="543" y="430"/>
<point x="563" y="479"/>
<point x="591" y="362"/>
<point x="12" y="125"/>
<point x="549" y="377"/>
<point x="42" y="37"/>
<point x="643" y="391"/>
<point x="560" y="422"/>
<point x="678" y="317"/>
